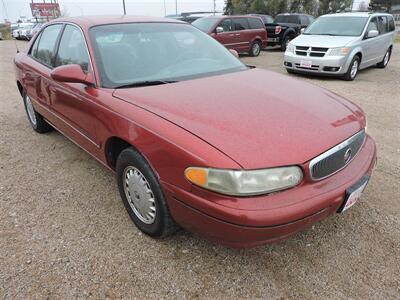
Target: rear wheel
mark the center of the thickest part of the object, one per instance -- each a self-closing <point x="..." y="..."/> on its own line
<point x="37" y="122"/>
<point x="352" y="71"/>
<point x="255" y="49"/>
<point x="385" y="60"/>
<point x="142" y="195"/>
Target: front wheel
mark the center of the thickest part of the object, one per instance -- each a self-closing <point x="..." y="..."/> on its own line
<point x="255" y="49"/>
<point x="285" y="42"/>
<point x="142" y="195"/>
<point x="353" y="69"/>
<point x="385" y="60"/>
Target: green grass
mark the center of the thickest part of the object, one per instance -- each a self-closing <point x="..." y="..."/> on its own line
<point x="397" y="39"/>
<point x="6" y="32"/>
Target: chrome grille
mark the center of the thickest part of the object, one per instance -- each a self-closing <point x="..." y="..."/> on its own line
<point x="311" y="51"/>
<point x="336" y="158"/>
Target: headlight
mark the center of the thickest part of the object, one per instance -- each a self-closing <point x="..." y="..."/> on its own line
<point x="290" y="48"/>
<point x="245" y="183"/>
<point x="339" y="51"/>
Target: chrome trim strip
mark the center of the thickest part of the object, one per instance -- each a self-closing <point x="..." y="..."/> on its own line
<point x="333" y="150"/>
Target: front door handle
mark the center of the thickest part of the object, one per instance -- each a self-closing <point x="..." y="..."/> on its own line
<point x="237" y="34"/>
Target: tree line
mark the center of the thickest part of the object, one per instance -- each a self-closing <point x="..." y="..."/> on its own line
<point x="312" y="7"/>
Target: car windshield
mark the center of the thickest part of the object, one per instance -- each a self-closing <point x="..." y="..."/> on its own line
<point x="340" y="26"/>
<point x="287" y="19"/>
<point x="129" y="54"/>
<point x="204" y="24"/>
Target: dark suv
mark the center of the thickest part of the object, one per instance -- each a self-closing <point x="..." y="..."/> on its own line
<point x="285" y="27"/>
<point x="241" y="33"/>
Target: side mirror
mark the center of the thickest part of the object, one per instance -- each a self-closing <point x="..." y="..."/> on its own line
<point x="234" y="53"/>
<point x="302" y="30"/>
<point x="372" y="33"/>
<point x="219" y="29"/>
<point x="71" y="73"/>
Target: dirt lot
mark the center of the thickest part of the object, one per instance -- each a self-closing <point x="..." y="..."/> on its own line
<point x="64" y="232"/>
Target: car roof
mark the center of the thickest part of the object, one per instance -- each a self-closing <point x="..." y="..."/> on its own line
<point x="355" y="14"/>
<point x="89" y="21"/>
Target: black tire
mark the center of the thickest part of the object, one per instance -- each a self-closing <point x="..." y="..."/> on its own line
<point x="163" y="223"/>
<point x="350" y="76"/>
<point x="255" y="49"/>
<point x="385" y="59"/>
<point x="285" y="42"/>
<point x="37" y="122"/>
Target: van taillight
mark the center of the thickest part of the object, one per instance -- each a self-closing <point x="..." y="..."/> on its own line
<point x="278" y="29"/>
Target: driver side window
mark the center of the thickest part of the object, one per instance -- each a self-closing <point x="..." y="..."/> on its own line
<point x="226" y="25"/>
<point x="373" y="25"/>
<point x="72" y="49"/>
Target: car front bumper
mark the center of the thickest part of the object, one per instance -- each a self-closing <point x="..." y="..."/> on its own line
<point x="328" y="65"/>
<point x="252" y="221"/>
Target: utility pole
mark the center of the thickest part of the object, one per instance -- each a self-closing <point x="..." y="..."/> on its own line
<point x="176" y="7"/>
<point x="215" y="5"/>
<point x="165" y="9"/>
<point x="123" y="3"/>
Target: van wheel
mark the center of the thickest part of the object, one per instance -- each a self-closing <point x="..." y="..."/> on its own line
<point x="352" y="72"/>
<point x="142" y="195"/>
<point x="385" y="60"/>
<point x="255" y="49"/>
<point x="37" y="122"/>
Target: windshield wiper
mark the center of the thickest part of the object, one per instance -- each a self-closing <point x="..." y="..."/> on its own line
<point x="144" y="83"/>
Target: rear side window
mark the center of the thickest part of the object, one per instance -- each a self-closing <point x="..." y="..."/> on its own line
<point x="72" y="49"/>
<point x="383" y="24"/>
<point x="240" y="24"/>
<point x="255" y="23"/>
<point x="45" y="52"/>
<point x="226" y="24"/>
<point x="304" y="20"/>
<point x="391" y="24"/>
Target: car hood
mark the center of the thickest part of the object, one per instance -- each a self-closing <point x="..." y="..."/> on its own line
<point x="258" y="118"/>
<point x="322" y="41"/>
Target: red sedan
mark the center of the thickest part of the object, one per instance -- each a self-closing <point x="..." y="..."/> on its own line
<point x="239" y="155"/>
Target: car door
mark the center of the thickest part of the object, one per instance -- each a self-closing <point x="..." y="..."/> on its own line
<point x="227" y="37"/>
<point x="385" y="36"/>
<point x="243" y="34"/>
<point x="73" y="103"/>
<point x="371" y="46"/>
<point x="36" y="76"/>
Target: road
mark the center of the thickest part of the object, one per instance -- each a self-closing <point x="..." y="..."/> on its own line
<point x="64" y="232"/>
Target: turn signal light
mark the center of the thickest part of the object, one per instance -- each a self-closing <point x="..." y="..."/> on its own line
<point x="197" y="176"/>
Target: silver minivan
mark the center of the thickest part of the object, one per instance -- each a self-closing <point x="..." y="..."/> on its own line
<point x="342" y="44"/>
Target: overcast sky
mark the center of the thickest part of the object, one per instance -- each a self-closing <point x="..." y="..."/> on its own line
<point x="17" y="8"/>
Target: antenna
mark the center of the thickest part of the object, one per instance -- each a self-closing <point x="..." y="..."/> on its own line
<point x="6" y="13"/>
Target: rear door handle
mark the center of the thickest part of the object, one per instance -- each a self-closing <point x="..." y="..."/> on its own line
<point x="237" y="34"/>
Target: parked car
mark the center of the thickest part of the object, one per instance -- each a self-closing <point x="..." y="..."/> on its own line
<point x="190" y="17"/>
<point x="245" y="34"/>
<point x="342" y="44"/>
<point x="286" y="27"/>
<point x="19" y="32"/>
<point x="194" y="136"/>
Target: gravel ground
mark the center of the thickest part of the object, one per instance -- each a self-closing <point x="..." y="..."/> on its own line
<point x="64" y="232"/>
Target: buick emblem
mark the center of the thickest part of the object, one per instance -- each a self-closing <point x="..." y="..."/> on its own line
<point x="347" y="156"/>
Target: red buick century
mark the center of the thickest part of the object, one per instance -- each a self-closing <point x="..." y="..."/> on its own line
<point x="239" y="155"/>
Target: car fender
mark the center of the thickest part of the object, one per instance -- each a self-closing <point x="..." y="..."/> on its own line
<point x="351" y="56"/>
